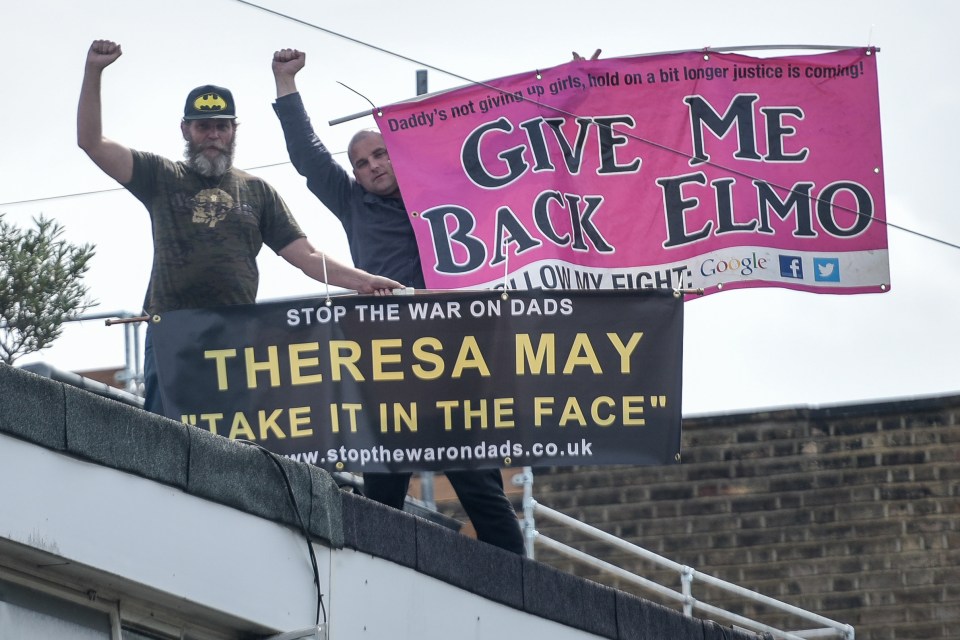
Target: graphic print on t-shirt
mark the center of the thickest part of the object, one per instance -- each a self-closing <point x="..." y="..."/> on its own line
<point x="211" y="206"/>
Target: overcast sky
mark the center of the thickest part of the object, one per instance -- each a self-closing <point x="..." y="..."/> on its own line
<point x="746" y="349"/>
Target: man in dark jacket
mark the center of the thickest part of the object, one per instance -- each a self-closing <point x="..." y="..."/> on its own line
<point x="370" y="207"/>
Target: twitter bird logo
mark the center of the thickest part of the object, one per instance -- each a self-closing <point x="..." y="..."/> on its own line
<point x="826" y="269"/>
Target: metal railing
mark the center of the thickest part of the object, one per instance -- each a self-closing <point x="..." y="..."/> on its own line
<point x="688" y="576"/>
<point x="76" y="380"/>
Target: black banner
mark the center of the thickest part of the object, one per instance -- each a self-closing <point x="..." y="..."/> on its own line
<point x="435" y="381"/>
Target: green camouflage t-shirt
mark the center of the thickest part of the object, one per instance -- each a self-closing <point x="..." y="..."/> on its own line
<point x="207" y="233"/>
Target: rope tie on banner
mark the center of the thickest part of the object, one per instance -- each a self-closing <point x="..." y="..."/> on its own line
<point x="678" y="291"/>
<point x="326" y="280"/>
<point x="681" y="290"/>
<point x="506" y="267"/>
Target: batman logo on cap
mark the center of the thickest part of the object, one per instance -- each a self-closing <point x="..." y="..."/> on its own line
<point x="209" y="102"/>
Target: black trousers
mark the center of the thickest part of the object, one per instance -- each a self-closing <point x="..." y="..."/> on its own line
<point x="480" y="492"/>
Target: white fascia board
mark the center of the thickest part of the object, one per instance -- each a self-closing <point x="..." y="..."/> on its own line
<point x="157" y="536"/>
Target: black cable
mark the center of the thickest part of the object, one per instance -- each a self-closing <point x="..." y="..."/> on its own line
<point x="545" y="106"/>
<point x="93" y="193"/>
<point x="573" y="115"/>
<point x="355" y="41"/>
<point x="303" y="527"/>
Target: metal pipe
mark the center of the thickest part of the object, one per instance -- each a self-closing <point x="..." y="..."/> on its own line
<point x="767" y="600"/>
<point x="689" y="574"/>
<point x="686" y="585"/>
<point x="587" y="559"/>
<point x="529" y="507"/>
<point x="606" y="537"/>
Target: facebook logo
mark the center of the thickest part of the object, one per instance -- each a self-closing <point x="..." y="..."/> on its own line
<point x="826" y="269"/>
<point x="791" y="267"/>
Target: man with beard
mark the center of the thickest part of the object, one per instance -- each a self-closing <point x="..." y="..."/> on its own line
<point x="370" y="208"/>
<point x="209" y="219"/>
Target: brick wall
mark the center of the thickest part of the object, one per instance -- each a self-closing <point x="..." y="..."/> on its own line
<point x="851" y="512"/>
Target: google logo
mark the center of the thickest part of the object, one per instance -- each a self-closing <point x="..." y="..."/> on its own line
<point x="712" y="266"/>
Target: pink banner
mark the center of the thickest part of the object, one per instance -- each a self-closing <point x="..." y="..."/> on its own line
<point x="697" y="169"/>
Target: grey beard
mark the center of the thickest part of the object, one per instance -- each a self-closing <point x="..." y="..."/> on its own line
<point x="204" y="165"/>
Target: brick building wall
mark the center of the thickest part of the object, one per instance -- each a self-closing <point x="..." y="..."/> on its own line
<point x="852" y="512"/>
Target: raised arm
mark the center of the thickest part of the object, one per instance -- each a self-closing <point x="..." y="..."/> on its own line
<point x="286" y="64"/>
<point x="326" y="178"/>
<point x="115" y="159"/>
<point x="302" y="254"/>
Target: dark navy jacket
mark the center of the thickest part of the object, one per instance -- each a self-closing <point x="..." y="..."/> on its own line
<point x="378" y="229"/>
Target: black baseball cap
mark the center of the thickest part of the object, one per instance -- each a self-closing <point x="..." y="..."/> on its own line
<point x="209" y="101"/>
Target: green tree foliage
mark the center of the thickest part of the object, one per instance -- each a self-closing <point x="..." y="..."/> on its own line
<point x="40" y="286"/>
